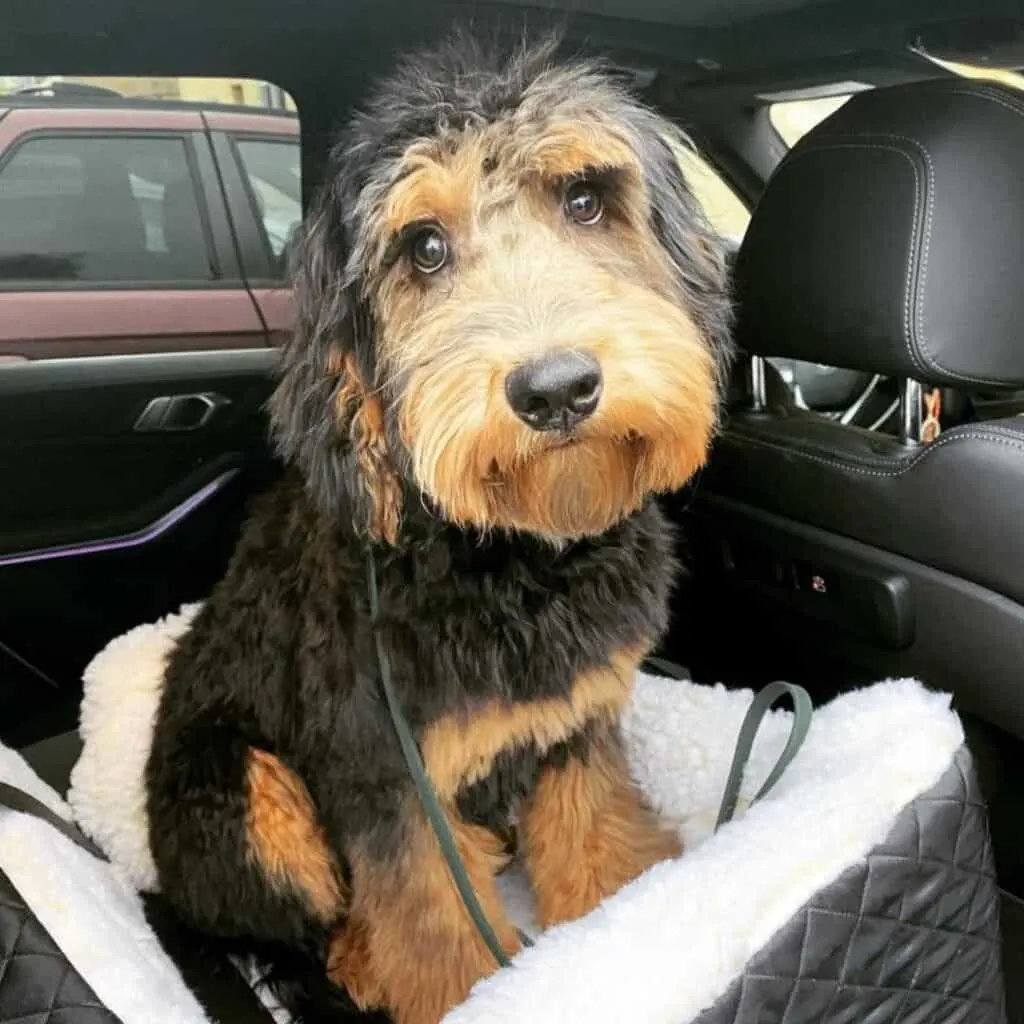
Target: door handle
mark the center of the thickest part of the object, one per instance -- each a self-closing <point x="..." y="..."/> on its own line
<point x="177" y="413"/>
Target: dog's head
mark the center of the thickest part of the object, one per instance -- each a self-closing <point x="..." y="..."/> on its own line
<point x="508" y="303"/>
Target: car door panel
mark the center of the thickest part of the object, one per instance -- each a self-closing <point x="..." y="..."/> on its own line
<point x="103" y="525"/>
<point x="76" y="466"/>
<point x="277" y="306"/>
<point x="132" y="423"/>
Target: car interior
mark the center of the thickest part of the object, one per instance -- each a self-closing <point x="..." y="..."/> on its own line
<point x="859" y="517"/>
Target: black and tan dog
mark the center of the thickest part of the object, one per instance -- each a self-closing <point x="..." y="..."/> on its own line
<point x="512" y="332"/>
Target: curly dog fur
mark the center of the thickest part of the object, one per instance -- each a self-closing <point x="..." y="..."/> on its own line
<point x="483" y="215"/>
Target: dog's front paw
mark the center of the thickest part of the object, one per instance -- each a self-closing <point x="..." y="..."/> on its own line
<point x="588" y="832"/>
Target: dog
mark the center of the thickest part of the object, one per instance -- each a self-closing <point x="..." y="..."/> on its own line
<point x="512" y="333"/>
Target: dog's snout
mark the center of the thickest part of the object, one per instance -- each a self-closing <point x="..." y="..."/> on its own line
<point x="555" y="392"/>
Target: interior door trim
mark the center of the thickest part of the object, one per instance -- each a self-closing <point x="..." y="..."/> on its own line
<point x="73" y="373"/>
<point x="137" y="538"/>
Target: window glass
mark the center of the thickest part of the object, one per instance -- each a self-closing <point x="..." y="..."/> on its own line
<point x="795" y="118"/>
<point x="274" y="171"/>
<point x="725" y="210"/>
<point x="101" y="210"/>
<point x="201" y="91"/>
<point x="1004" y="76"/>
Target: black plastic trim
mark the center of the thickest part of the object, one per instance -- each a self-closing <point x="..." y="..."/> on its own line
<point x="967" y="639"/>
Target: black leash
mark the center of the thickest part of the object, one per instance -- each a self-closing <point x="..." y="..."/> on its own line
<point x="801" y="723"/>
<point x="431" y="803"/>
<point x="439" y="821"/>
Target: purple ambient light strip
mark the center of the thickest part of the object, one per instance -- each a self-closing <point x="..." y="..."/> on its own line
<point x="146" y="535"/>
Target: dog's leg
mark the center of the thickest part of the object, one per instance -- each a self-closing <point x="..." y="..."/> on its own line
<point x="587" y="831"/>
<point x="238" y="847"/>
<point x="409" y="942"/>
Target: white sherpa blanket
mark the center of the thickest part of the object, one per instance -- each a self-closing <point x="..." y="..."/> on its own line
<point x="668" y="945"/>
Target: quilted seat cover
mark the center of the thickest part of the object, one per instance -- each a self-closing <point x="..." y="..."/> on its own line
<point x="909" y="937"/>
<point x="37" y="983"/>
<point x="860" y="890"/>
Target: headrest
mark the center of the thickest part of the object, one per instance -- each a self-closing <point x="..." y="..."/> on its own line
<point x="891" y="239"/>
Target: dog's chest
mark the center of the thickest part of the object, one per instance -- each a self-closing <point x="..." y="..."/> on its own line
<point x="512" y="653"/>
<point x="511" y="736"/>
<point x="496" y="801"/>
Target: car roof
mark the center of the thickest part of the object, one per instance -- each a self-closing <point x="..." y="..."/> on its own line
<point x="290" y="43"/>
<point x="323" y="52"/>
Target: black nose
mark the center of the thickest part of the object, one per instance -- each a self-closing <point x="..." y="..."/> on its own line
<point x="556" y="392"/>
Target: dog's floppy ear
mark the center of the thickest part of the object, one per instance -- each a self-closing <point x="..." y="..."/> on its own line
<point x="324" y="416"/>
<point x="695" y="250"/>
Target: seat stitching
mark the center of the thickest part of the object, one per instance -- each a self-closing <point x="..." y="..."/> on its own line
<point x="912" y="297"/>
<point x="986" y="92"/>
<point x="994" y="437"/>
<point x="918" y="335"/>
<point x="855" y="144"/>
<point x="914" y="334"/>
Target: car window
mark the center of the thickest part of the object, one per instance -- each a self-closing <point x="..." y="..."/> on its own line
<point x="101" y="210"/>
<point x="795" y="118"/>
<point x="274" y="171"/>
<point x="1003" y="76"/>
<point x="725" y="210"/>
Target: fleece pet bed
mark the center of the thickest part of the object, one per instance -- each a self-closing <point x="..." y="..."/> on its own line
<point x="859" y="889"/>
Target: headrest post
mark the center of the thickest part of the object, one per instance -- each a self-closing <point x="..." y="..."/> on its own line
<point x="758" y="386"/>
<point x="911" y="411"/>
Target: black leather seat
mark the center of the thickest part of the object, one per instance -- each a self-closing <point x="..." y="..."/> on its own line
<point x="890" y="241"/>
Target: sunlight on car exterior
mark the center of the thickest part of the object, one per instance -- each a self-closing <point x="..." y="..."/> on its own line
<point x="794" y="119"/>
<point x="723" y="208"/>
<point x="232" y="91"/>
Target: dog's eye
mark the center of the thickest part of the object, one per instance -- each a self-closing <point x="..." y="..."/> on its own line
<point x="429" y="250"/>
<point x="583" y="203"/>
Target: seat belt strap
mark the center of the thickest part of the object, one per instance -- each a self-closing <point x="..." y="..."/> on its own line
<point x="15" y="799"/>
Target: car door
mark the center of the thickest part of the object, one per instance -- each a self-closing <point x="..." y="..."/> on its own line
<point x="132" y="425"/>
